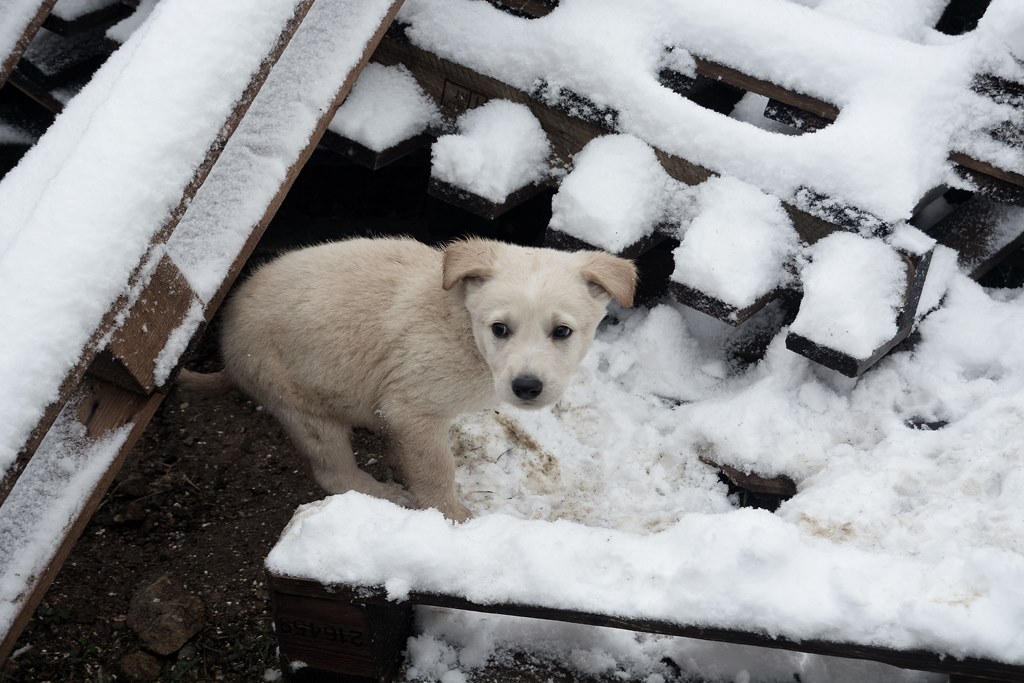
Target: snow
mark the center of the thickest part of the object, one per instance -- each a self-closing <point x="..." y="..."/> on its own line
<point x="901" y="101"/>
<point x="386" y="106"/>
<point x="738" y="245"/>
<point x="500" y="147"/>
<point x="614" y="195"/>
<point x="853" y="293"/>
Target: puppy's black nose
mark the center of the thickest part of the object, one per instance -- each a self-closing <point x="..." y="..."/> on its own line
<point x="527" y="387"/>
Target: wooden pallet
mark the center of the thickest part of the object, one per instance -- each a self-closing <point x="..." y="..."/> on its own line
<point x="355" y="634"/>
<point x="107" y="398"/>
<point x="571" y="120"/>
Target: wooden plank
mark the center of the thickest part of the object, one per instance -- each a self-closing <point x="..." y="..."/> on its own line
<point x="53" y="60"/>
<point x="481" y="206"/>
<point x="12" y="53"/>
<point x="982" y="232"/>
<point x="105" y="16"/>
<point x="715" y="307"/>
<point x="921" y="660"/>
<point x="528" y="9"/>
<point x="102" y="409"/>
<point x="371" y="159"/>
<point x="158" y="310"/>
<point x="741" y="80"/>
<point x="781" y="485"/>
<point x="556" y="239"/>
<point x="850" y="366"/>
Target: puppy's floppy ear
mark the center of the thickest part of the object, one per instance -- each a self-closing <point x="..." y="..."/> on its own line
<point x="467" y="259"/>
<point x="613" y="275"/>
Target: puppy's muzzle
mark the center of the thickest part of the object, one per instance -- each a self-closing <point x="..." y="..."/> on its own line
<point x="527" y="387"/>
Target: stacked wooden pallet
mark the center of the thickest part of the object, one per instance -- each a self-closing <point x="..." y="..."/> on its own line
<point x="573" y="119"/>
<point x="356" y="630"/>
<point x="167" y="212"/>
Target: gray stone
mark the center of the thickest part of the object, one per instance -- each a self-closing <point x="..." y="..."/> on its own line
<point x="164" y="615"/>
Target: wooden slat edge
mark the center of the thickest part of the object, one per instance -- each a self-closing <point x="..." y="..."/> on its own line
<point x="26" y="37"/>
<point x="105" y="407"/>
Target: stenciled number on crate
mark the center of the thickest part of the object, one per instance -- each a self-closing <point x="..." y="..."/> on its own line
<point x="457" y="98"/>
<point x="308" y="629"/>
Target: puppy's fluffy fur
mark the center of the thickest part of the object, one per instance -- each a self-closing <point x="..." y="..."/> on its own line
<point x="399" y="337"/>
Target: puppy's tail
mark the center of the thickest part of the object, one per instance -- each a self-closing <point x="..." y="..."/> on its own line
<point x="204" y="384"/>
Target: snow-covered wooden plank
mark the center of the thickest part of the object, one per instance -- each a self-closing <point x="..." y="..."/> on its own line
<point x="386" y="116"/>
<point x="21" y="20"/>
<point x="53" y="59"/>
<point x="735" y="254"/>
<point x="281" y="129"/>
<point x="352" y="550"/>
<point x="60" y="489"/>
<point x="74" y="16"/>
<point x="125" y="186"/>
<point x="496" y="159"/>
<point x="860" y="300"/>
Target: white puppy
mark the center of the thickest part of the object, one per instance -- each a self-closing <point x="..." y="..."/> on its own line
<point x="398" y="337"/>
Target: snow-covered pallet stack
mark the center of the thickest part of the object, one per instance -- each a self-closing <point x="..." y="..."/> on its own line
<point x="775" y="152"/>
<point x="658" y="123"/>
<point x="122" y="230"/>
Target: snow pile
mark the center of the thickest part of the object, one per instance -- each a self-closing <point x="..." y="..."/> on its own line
<point x="853" y="293"/>
<point x="615" y="194"/>
<point x="386" y="106"/>
<point x="737" y="246"/>
<point x="500" y="147"/>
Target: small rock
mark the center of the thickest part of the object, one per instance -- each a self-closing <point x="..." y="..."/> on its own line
<point x="134" y="485"/>
<point x="164" y="615"/>
<point x="140" y="667"/>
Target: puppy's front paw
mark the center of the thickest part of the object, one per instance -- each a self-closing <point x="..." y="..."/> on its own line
<point x="457" y="512"/>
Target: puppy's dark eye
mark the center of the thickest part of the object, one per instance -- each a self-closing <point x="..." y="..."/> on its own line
<point x="500" y="330"/>
<point x="561" y="332"/>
